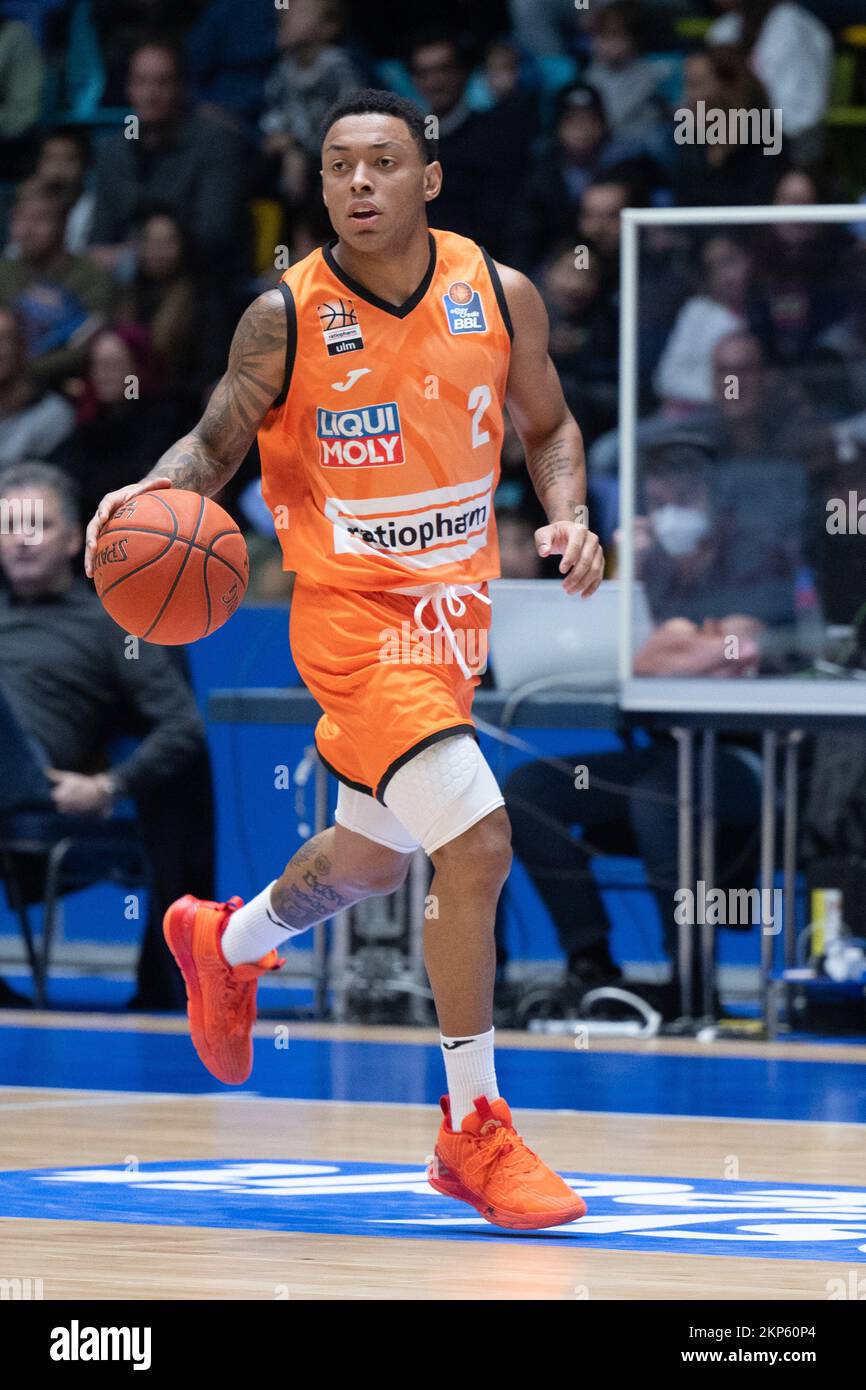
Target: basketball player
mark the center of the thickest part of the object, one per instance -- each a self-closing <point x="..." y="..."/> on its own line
<point x="375" y="376"/>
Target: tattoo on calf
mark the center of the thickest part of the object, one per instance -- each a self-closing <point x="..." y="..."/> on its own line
<point x="310" y="899"/>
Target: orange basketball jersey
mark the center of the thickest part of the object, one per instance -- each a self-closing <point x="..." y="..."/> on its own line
<point x="381" y="456"/>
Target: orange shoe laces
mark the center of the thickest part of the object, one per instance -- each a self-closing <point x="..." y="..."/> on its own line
<point x="503" y="1147"/>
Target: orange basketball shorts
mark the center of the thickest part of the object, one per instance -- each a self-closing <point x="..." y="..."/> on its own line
<point x="388" y="687"/>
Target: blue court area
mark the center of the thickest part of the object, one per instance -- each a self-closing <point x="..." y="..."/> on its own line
<point x="637" y="1214"/>
<point x="263" y="817"/>
<point x="315" y="1069"/>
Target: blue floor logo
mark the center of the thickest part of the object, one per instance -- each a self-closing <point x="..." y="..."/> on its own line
<point x="776" y="1220"/>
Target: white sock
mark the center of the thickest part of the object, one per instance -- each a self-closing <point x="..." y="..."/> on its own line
<point x="255" y="929"/>
<point x="471" y="1072"/>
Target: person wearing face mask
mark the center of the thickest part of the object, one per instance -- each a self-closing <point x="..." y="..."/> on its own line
<point x="710" y="575"/>
<point x="679" y="530"/>
<point x="703" y="555"/>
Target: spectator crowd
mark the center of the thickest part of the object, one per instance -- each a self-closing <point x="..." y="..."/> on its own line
<point x="157" y="158"/>
<point x="159" y="161"/>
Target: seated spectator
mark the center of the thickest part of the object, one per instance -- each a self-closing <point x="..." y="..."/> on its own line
<point x="483" y="177"/>
<point x="627" y="83"/>
<point x="61" y="300"/>
<point x="599" y="223"/>
<point x="757" y="414"/>
<point x="124" y="426"/>
<point x="684" y="376"/>
<point x="501" y="90"/>
<point x="179" y="161"/>
<point x="122" y="26"/>
<point x="22" y="72"/>
<point x="228" y="63"/>
<point x="64" y="156"/>
<point x="790" y="52"/>
<point x="584" y="335"/>
<point x="803" y="279"/>
<point x="628" y="804"/>
<point x="67" y="676"/>
<point x="584" y="150"/>
<point x="703" y="553"/>
<point x="313" y="72"/>
<point x="717" y="175"/>
<point x="32" y="419"/>
<point x="754" y="415"/>
<point x="185" y="325"/>
<point x="500" y="70"/>
<point x="666" y="281"/>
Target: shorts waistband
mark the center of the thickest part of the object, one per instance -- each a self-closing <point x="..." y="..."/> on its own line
<point x="428" y="590"/>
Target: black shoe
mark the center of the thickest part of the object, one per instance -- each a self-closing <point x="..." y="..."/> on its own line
<point x="11" y="999"/>
<point x="563" y="1001"/>
<point x="595" y="970"/>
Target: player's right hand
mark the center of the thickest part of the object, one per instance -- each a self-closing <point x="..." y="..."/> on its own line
<point x="108" y="506"/>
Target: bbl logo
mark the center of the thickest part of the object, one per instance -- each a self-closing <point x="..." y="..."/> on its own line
<point x="464" y="309"/>
<point x="371" y="437"/>
<point x="340" y="327"/>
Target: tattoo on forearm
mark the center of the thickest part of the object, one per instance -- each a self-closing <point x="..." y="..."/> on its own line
<point x="205" y="459"/>
<point x="190" y="465"/>
<point x="310" y="898"/>
<point x="554" y="463"/>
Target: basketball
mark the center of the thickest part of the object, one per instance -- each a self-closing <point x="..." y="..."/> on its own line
<point x="170" y="567"/>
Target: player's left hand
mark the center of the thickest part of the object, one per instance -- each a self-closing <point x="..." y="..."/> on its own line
<point x="582" y="556"/>
<point x="75" y="794"/>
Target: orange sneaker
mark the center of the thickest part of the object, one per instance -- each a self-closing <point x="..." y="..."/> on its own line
<point x="488" y="1165"/>
<point x="221" y="998"/>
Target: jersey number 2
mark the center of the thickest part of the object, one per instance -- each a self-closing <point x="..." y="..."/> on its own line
<point x="479" y="401"/>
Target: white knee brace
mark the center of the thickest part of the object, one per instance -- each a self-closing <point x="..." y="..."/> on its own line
<point x="442" y="791"/>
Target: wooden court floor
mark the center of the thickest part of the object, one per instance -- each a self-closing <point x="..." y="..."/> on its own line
<point x="53" y="1127"/>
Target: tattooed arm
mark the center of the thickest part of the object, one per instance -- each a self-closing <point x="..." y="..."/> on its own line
<point x="205" y="459"/>
<point x="551" y="440"/>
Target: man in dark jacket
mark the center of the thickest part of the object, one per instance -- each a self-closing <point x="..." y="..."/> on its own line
<point x="485" y="153"/>
<point x="167" y="157"/>
<point x="75" y="681"/>
<point x="583" y="152"/>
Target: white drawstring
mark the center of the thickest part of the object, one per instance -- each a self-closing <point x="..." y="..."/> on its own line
<point x="451" y="593"/>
